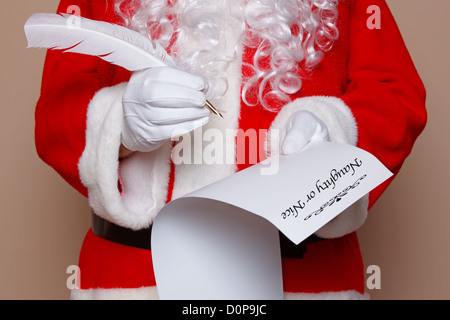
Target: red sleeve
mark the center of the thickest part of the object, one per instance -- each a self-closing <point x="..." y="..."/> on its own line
<point x="69" y="83"/>
<point x="385" y="93"/>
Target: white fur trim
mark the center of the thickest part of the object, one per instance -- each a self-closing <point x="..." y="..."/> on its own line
<point x="197" y="174"/>
<point x="145" y="176"/>
<point x="190" y="177"/>
<point x="336" y="115"/>
<point x="342" y="128"/>
<point x="144" y="293"/>
<point x="342" y="295"/>
<point x="151" y="293"/>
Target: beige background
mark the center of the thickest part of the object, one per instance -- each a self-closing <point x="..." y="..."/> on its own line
<point x="44" y="220"/>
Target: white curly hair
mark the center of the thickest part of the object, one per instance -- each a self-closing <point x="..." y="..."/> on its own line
<point x="287" y="36"/>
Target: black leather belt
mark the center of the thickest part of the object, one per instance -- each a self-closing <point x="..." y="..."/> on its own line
<point x="292" y="250"/>
<point x="142" y="238"/>
<point x="112" y="232"/>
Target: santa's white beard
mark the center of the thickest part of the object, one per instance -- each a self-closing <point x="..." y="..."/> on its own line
<point x="209" y="40"/>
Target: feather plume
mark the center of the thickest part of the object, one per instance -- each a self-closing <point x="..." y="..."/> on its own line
<point x="110" y="42"/>
<point x="113" y="43"/>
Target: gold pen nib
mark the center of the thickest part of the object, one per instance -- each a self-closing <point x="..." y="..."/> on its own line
<point x="213" y="110"/>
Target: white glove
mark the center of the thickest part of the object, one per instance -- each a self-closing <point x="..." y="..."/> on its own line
<point x="301" y="128"/>
<point x="157" y="102"/>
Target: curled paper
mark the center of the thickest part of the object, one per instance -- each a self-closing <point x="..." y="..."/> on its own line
<point x="221" y="241"/>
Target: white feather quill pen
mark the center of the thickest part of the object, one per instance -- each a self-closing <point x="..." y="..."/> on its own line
<point x="110" y="42"/>
<point x="113" y="43"/>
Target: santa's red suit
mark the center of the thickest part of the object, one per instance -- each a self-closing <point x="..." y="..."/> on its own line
<point x="366" y="90"/>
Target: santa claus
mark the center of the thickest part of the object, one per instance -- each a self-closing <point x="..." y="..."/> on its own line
<point x="311" y="69"/>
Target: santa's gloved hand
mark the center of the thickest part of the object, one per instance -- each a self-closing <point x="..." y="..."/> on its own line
<point x="301" y="128"/>
<point x="159" y="101"/>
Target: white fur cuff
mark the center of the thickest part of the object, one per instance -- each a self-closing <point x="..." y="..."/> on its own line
<point x="336" y="115"/>
<point x="99" y="167"/>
